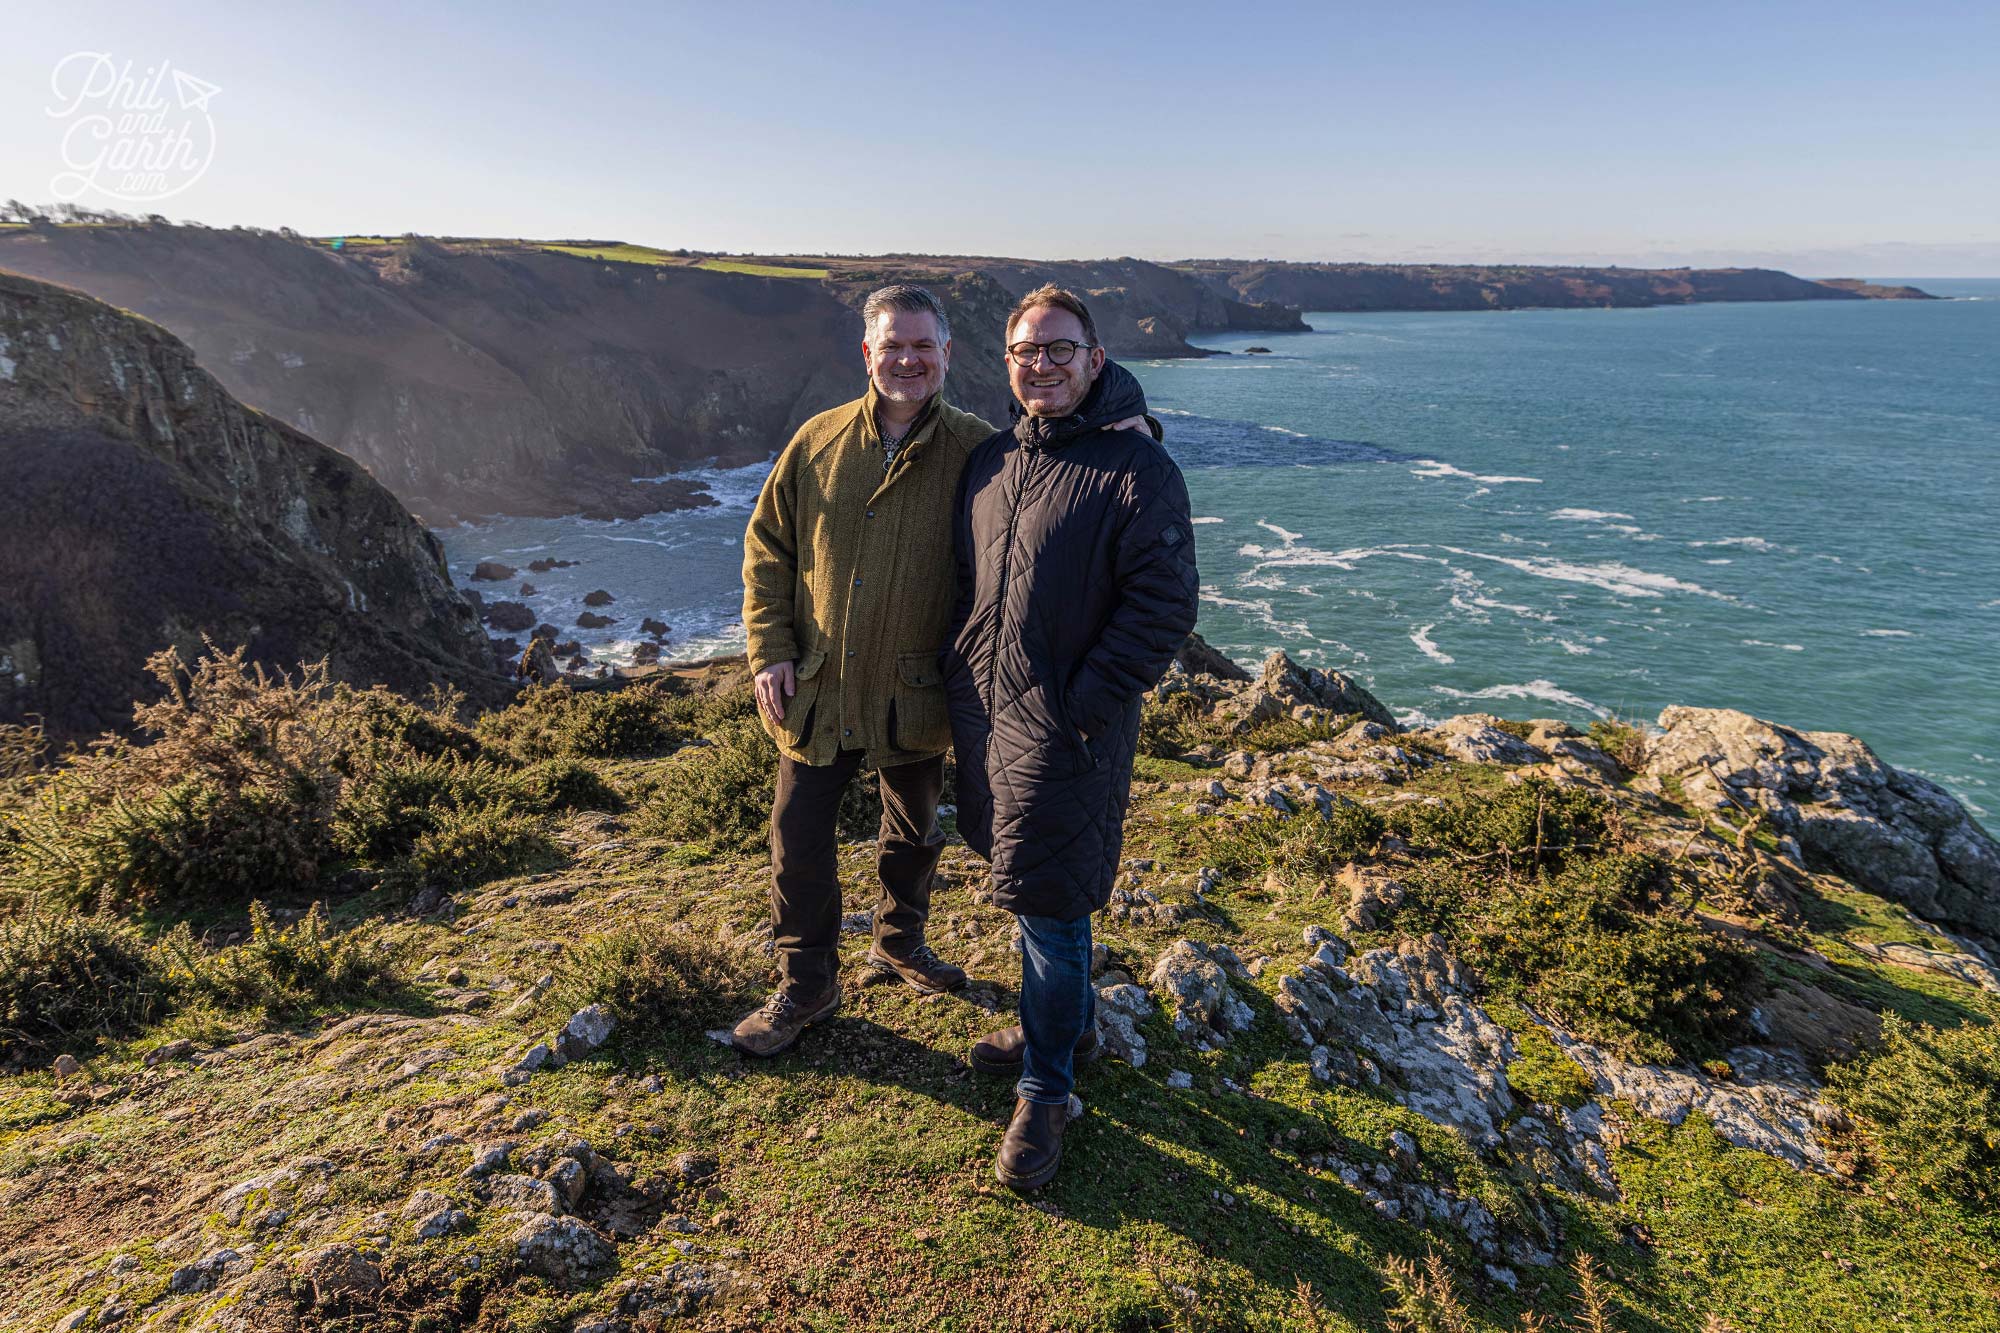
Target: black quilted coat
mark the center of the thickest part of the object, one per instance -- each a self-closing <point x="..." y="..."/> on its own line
<point x="1076" y="586"/>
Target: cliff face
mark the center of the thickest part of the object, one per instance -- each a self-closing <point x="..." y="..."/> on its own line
<point x="474" y="380"/>
<point x="499" y="377"/>
<point x="1505" y="287"/>
<point x="475" y="377"/>
<point x="146" y="507"/>
<point x="1147" y="310"/>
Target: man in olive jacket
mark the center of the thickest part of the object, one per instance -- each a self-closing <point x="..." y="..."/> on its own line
<point x="847" y="592"/>
<point x="1077" y="584"/>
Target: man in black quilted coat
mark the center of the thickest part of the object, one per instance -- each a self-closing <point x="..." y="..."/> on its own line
<point x="1076" y="586"/>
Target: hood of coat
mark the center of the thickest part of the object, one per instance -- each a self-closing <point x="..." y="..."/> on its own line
<point x="1115" y="396"/>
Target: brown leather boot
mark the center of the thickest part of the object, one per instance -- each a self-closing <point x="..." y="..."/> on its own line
<point x="778" y="1024"/>
<point x="1032" y="1149"/>
<point x="1002" y="1052"/>
<point x="919" y="967"/>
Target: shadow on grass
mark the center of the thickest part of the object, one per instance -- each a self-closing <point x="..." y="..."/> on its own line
<point x="1213" y="1184"/>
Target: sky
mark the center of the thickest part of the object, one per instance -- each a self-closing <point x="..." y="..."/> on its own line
<point x="1830" y="139"/>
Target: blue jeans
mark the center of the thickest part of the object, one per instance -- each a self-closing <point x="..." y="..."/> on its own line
<point x="1058" y="1004"/>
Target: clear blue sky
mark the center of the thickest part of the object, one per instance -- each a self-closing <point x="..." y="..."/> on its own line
<point x="1825" y="137"/>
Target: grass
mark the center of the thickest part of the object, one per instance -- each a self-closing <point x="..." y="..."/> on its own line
<point x="617" y="254"/>
<point x="853" y="1186"/>
<point x="763" y="270"/>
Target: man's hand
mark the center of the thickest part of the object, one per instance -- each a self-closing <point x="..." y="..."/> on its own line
<point x="775" y="684"/>
<point x="1130" y="423"/>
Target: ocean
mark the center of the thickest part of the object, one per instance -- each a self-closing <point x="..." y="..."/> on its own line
<point x="1787" y="508"/>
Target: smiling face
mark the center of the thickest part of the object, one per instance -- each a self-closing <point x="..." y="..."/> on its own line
<point x="906" y="358"/>
<point x="1044" y="388"/>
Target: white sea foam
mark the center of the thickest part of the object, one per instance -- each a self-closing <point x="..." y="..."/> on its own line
<point x="1432" y="468"/>
<point x="1311" y="557"/>
<point x="1719" y="560"/>
<point x="731" y="487"/>
<point x="1206" y="518"/>
<point x="1887" y="634"/>
<point x="1421" y="636"/>
<point x="1574" y="649"/>
<point x="1287" y="537"/>
<point x="1747" y="543"/>
<point x="1546" y="690"/>
<point x="1587" y="515"/>
<point x="1612" y="576"/>
<point x="1760" y="643"/>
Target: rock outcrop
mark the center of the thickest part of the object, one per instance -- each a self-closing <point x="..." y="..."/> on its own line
<point x="1284" y="689"/>
<point x="1408" y="1016"/>
<point x="1888" y="830"/>
<point x="145" y="508"/>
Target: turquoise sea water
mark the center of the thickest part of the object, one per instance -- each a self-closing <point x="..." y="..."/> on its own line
<point x="1784" y="508"/>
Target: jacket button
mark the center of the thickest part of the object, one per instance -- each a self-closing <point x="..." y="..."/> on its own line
<point x="871" y="513"/>
<point x="845" y="731"/>
<point x="857" y="583"/>
<point x="850" y="652"/>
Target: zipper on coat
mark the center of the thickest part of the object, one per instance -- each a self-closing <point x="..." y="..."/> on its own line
<point x="1007" y="566"/>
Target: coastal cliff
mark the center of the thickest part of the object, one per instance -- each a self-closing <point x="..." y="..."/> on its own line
<point x="1516" y="286"/>
<point x="480" y="376"/>
<point x="146" y="508"/>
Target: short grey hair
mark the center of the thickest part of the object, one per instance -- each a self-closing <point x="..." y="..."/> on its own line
<point x="908" y="298"/>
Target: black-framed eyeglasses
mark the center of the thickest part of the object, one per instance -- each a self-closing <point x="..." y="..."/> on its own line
<point x="1061" y="352"/>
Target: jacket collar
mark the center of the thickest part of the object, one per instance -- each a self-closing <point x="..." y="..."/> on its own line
<point x="1115" y="396"/>
<point x="927" y="416"/>
<point x="862" y="420"/>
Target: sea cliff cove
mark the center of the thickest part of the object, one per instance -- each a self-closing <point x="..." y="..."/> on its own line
<point x="683" y="669"/>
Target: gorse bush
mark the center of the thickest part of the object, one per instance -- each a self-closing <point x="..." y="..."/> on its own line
<point x="280" y="971"/>
<point x="1623" y="741"/>
<point x="631" y="721"/>
<point x="255" y="785"/>
<point x="718" y="796"/>
<point x="1532" y="886"/>
<point x="1286" y="733"/>
<point x="652" y="718"/>
<point x="468" y="845"/>
<point x="1515" y="828"/>
<point x="655" y="978"/>
<point x="1171" y="725"/>
<point x="1305" y="847"/>
<point x="66" y="980"/>
<point x="1600" y="948"/>
<point x="194" y="840"/>
<point x="563" y="784"/>
<point x="1930" y="1103"/>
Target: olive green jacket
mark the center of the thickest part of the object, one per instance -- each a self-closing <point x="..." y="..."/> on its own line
<point x="848" y="573"/>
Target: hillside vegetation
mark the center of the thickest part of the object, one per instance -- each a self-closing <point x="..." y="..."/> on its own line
<point x="326" y="1008"/>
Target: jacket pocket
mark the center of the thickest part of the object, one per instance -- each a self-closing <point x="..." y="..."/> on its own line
<point x="797" y="726"/>
<point x="1082" y="752"/>
<point x="919" y="721"/>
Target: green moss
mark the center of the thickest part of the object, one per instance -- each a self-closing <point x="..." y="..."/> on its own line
<point x="1540" y="1071"/>
<point x="1746" y="1237"/>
